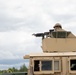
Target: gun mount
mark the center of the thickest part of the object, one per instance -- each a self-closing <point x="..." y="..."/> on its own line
<point x="57" y="40"/>
<point x="59" y="53"/>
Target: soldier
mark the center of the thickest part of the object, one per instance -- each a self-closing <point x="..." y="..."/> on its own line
<point x="57" y="27"/>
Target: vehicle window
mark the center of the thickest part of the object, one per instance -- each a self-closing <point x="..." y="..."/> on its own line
<point x="36" y="65"/>
<point x="56" y="65"/>
<point x="73" y="64"/>
<point x="46" y="65"/>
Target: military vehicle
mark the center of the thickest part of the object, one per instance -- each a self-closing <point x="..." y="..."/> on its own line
<point x="59" y="53"/>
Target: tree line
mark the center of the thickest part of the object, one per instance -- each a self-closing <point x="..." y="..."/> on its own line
<point x="23" y="68"/>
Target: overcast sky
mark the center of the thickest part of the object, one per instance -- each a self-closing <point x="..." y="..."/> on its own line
<point x="19" y="19"/>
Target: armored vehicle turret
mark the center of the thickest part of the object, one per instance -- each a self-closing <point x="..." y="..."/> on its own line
<point x="59" y="53"/>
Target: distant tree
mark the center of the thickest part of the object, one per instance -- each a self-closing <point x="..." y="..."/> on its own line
<point x="1" y="71"/>
<point x="9" y="70"/>
<point x="23" y="68"/>
<point x="12" y="70"/>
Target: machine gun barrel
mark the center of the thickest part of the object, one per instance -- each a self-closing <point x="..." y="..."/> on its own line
<point x="39" y="34"/>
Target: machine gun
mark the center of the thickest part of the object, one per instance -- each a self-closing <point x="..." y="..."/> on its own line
<point x="43" y="34"/>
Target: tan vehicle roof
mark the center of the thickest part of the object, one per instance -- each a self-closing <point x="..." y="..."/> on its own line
<point x="50" y="54"/>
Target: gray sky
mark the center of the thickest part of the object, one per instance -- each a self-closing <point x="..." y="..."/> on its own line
<point x="19" y="19"/>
